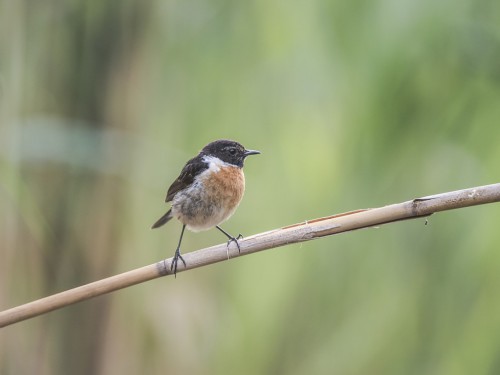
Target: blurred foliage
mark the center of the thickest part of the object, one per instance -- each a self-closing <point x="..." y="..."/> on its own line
<point x="353" y="104"/>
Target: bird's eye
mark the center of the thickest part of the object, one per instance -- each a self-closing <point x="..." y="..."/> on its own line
<point x="232" y="151"/>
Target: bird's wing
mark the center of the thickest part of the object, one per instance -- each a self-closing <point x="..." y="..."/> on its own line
<point x="193" y="168"/>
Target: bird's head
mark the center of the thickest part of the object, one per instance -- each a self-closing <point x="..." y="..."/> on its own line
<point x="230" y="152"/>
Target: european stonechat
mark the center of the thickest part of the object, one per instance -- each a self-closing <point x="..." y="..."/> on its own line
<point x="207" y="191"/>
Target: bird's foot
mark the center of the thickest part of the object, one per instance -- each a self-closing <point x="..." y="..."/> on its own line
<point x="175" y="260"/>
<point x="231" y="239"/>
<point x="235" y="240"/>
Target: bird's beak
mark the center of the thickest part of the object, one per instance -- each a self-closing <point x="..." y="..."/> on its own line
<point x="251" y="152"/>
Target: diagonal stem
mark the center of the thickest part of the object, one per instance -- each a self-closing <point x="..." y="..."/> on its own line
<point x="305" y="231"/>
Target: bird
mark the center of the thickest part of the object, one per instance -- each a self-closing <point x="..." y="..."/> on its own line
<point x="207" y="192"/>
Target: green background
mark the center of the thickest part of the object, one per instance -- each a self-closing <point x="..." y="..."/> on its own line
<point x="353" y="104"/>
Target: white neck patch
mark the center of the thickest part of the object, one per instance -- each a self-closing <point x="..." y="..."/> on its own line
<point x="214" y="163"/>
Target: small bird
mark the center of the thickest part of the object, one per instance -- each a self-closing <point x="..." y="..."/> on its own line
<point x="207" y="191"/>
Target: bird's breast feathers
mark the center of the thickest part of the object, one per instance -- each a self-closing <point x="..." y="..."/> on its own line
<point x="223" y="182"/>
<point x="213" y="196"/>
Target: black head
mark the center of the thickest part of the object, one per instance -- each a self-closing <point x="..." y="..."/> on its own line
<point x="228" y="151"/>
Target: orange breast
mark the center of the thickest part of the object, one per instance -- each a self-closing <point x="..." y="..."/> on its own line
<point x="210" y="201"/>
<point x="227" y="185"/>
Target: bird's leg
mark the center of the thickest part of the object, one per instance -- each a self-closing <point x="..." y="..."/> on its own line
<point x="177" y="255"/>
<point x="231" y="239"/>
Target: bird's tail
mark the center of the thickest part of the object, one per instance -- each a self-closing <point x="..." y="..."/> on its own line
<point x="163" y="220"/>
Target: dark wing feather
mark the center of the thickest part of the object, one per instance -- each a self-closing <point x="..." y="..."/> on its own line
<point x="193" y="168"/>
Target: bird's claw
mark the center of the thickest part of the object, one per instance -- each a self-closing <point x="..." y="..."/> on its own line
<point x="235" y="240"/>
<point x="175" y="260"/>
